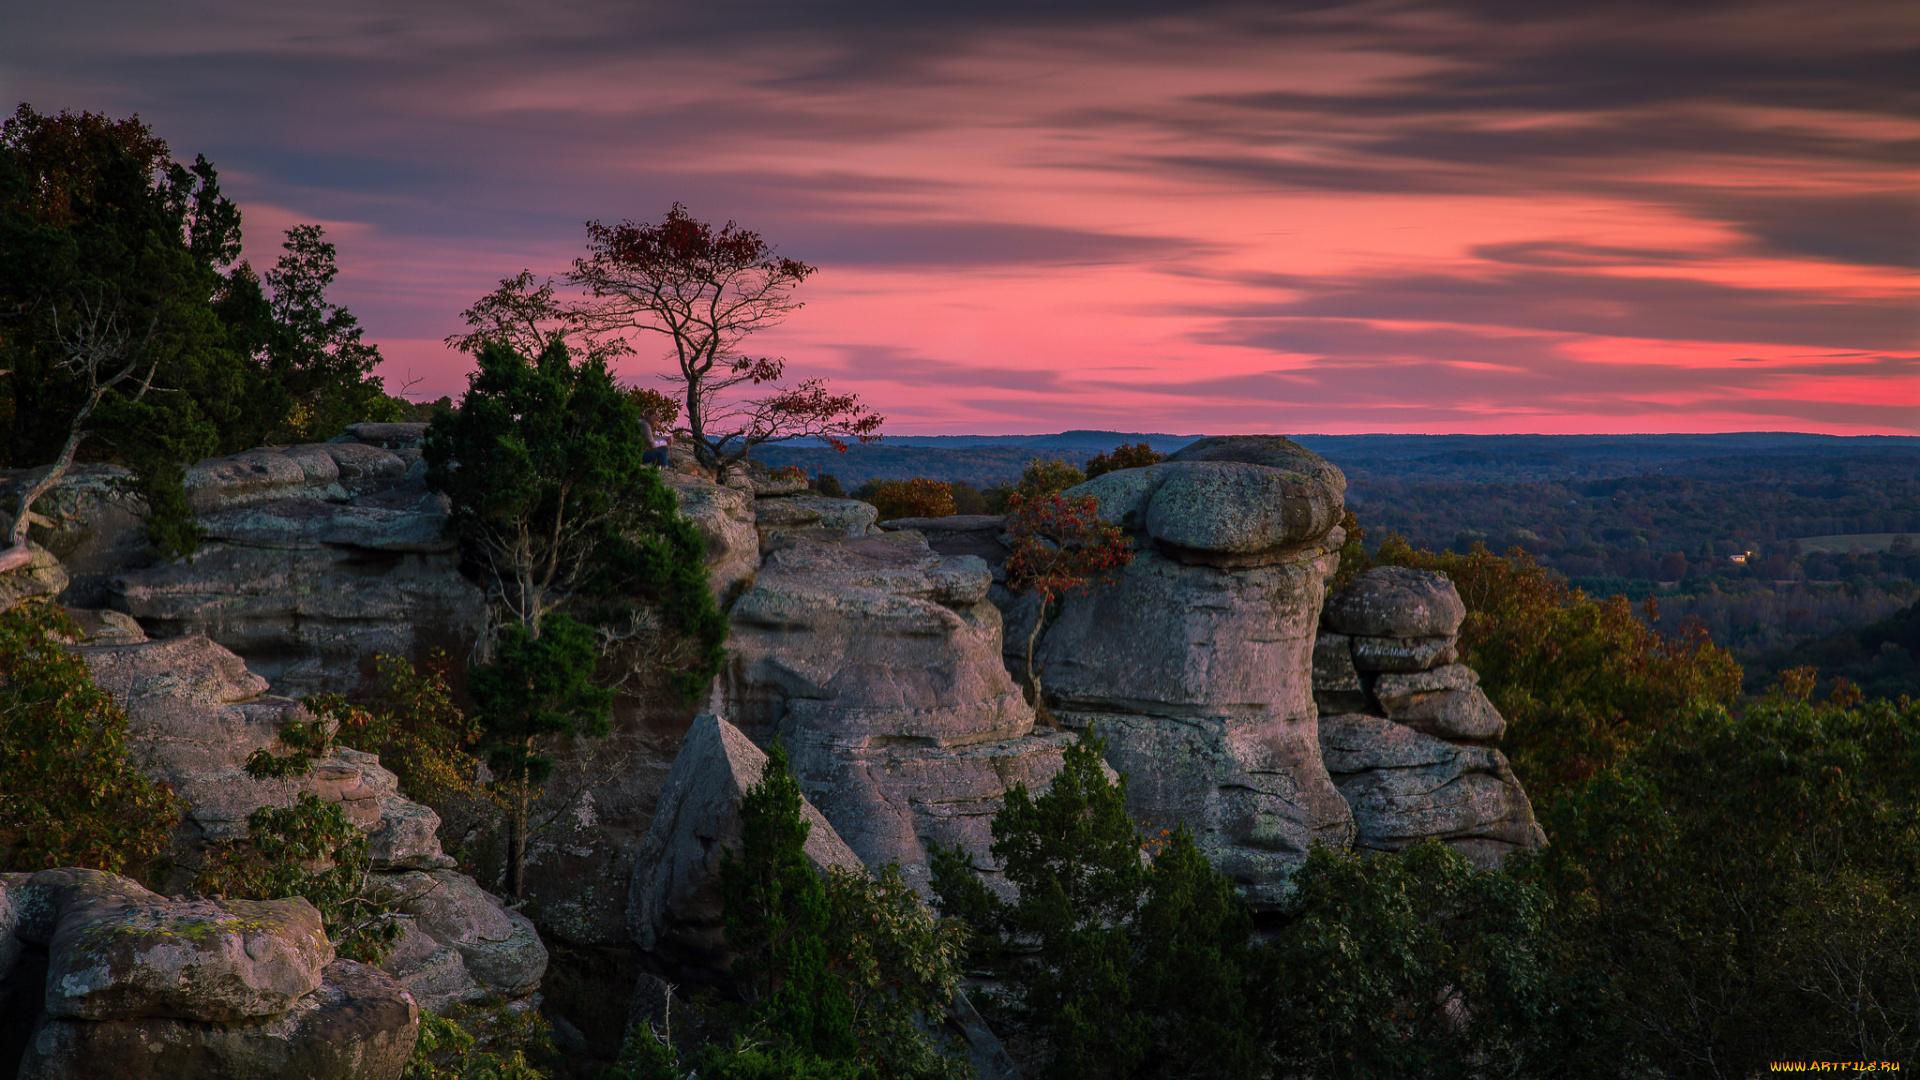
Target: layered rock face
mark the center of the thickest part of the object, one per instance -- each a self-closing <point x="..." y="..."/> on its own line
<point x="877" y="662"/>
<point x="195" y="713"/>
<point x="1195" y="664"/>
<point x="137" y="985"/>
<point x="1406" y="733"/>
<point x="316" y="558"/>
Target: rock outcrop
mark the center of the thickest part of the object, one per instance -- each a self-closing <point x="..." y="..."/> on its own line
<point x="137" y="985"/>
<point x="1406" y="733"/>
<point x="196" y="712"/>
<point x="877" y="662"/>
<point x="675" y="906"/>
<point x="1195" y="664"/>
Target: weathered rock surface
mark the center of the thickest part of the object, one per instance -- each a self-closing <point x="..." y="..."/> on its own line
<point x="725" y="518"/>
<point x="777" y="516"/>
<point x="961" y="534"/>
<point x="1405" y="731"/>
<point x="675" y="905"/>
<point x="1196" y="663"/>
<point x="41" y="578"/>
<point x="877" y="661"/>
<point x="196" y="713"/>
<point x="359" y="1024"/>
<point x="876" y="639"/>
<point x="1405" y="786"/>
<point x="1396" y="602"/>
<point x="120" y="953"/>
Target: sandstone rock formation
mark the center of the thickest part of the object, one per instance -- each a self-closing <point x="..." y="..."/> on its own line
<point x="195" y="713"/>
<point x="877" y="661"/>
<point x="675" y="907"/>
<point x="137" y="985"/>
<point x="1406" y="733"/>
<point x="1195" y="665"/>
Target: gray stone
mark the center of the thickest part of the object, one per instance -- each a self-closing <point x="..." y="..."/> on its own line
<point x="1272" y="451"/>
<point x="1396" y="601"/>
<point x="1336" y="682"/>
<point x="360" y="1024"/>
<point x="189" y="959"/>
<point x="1405" y="786"/>
<point x="1226" y="513"/>
<point x="725" y="519"/>
<point x="498" y="946"/>
<point x="391" y="436"/>
<point x="890" y="800"/>
<point x="1200" y="679"/>
<point x="42" y="578"/>
<point x="849" y="518"/>
<point x="961" y="534"/>
<point x="674" y="909"/>
<point x="93" y="526"/>
<point x="1446" y="702"/>
<point x="1402" y="654"/>
<point x="878" y="639"/>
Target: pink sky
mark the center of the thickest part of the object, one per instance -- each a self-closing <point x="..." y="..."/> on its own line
<point x="1438" y="217"/>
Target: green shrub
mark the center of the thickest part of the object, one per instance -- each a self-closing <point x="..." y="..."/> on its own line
<point x="69" y="796"/>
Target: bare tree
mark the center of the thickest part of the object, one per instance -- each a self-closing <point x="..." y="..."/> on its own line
<point x="706" y="290"/>
<point x="96" y="343"/>
<point x="527" y="318"/>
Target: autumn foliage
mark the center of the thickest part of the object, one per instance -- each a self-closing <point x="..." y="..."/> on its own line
<point x="1580" y="681"/>
<point x="913" y="498"/>
<point x="1060" y="546"/>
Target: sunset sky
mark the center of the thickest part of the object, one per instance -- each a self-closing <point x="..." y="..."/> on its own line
<point x="1029" y="216"/>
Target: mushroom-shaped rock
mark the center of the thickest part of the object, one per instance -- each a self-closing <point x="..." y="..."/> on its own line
<point x="1396" y="602"/>
<point x="1196" y="663"/>
<point x="675" y="905"/>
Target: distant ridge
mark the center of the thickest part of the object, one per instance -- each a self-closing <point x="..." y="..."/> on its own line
<point x="985" y="460"/>
<point x="1092" y="442"/>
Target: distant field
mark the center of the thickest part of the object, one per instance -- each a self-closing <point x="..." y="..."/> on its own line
<point x="1843" y="543"/>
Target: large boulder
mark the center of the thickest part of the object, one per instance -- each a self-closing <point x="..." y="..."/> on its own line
<point x="800" y="512"/>
<point x="1406" y="786"/>
<point x="1195" y="663"/>
<point x="119" y="952"/>
<point x="725" y="518"/>
<point x="1396" y="602"/>
<point x="1405" y="731"/>
<point x="43" y="577"/>
<point x="675" y="905"/>
<point x="877" y="639"/>
<point x="877" y="661"/>
<point x="359" y="1024"/>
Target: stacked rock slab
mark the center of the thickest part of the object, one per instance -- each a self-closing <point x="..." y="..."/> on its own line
<point x="1405" y="731"/>
<point x="1195" y="664"/>
<point x="675" y="905"/>
<point x="877" y="662"/>
<point x="137" y="985"/>
<point x="196" y="713"/>
<point x="316" y="558"/>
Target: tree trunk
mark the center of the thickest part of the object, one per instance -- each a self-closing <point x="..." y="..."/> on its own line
<point x="517" y="836"/>
<point x="1040" y="713"/>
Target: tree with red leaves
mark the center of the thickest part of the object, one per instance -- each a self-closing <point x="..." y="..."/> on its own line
<point x="1060" y="546"/>
<point x="706" y="290"/>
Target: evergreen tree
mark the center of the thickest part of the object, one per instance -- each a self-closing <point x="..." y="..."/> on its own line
<point x="535" y="688"/>
<point x="542" y="466"/>
<point x="778" y="921"/>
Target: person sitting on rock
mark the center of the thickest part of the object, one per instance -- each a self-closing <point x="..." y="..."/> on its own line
<point x="656" y="452"/>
